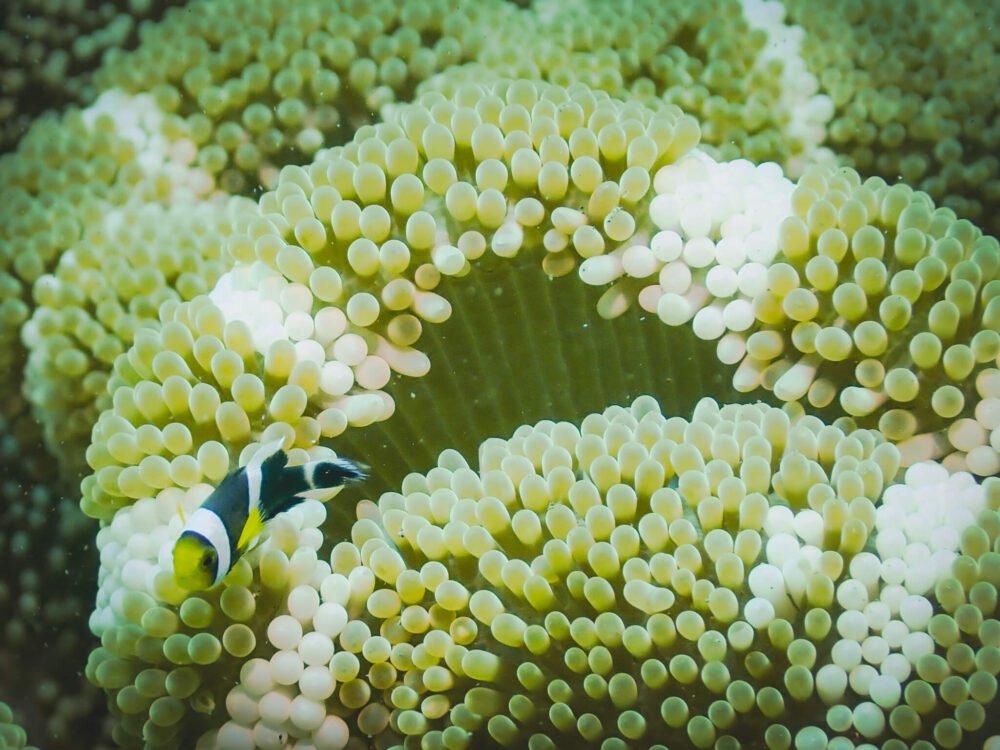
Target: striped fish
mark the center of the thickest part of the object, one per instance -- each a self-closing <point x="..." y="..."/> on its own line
<point x="233" y="516"/>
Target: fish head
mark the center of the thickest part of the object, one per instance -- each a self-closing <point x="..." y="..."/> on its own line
<point x="196" y="563"/>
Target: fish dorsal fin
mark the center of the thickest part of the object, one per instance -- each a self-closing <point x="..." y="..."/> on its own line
<point x="266" y="452"/>
<point x="268" y="458"/>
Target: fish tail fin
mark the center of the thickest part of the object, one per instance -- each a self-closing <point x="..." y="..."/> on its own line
<point x="321" y="480"/>
<point x="287" y="486"/>
<point x="336" y="472"/>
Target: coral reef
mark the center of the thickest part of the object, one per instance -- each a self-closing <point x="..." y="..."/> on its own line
<point x="383" y="227"/>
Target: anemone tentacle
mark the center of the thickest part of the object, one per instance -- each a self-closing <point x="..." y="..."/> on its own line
<point x="403" y="229"/>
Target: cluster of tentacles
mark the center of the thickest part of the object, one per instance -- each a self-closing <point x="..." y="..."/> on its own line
<point x="383" y="228"/>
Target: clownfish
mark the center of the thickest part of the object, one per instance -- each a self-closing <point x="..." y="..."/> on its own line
<point x="233" y="516"/>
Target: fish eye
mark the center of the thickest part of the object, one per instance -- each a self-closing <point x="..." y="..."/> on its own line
<point x="208" y="560"/>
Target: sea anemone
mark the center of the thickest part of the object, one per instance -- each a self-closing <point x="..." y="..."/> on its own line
<point x="318" y="329"/>
<point x="863" y="295"/>
<point x="645" y="579"/>
<point x="450" y="236"/>
<point x="12" y="735"/>
<point x="47" y="553"/>
<point x="906" y="82"/>
<point x="750" y="572"/>
<point x="258" y="87"/>
<point x="63" y="187"/>
<point x="167" y="657"/>
<point x="286" y="302"/>
<point x="105" y="287"/>
<point x="49" y="51"/>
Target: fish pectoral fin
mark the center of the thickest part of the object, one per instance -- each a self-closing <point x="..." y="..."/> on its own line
<point x="251" y="529"/>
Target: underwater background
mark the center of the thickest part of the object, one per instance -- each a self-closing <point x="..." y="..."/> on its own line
<point x="669" y="330"/>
